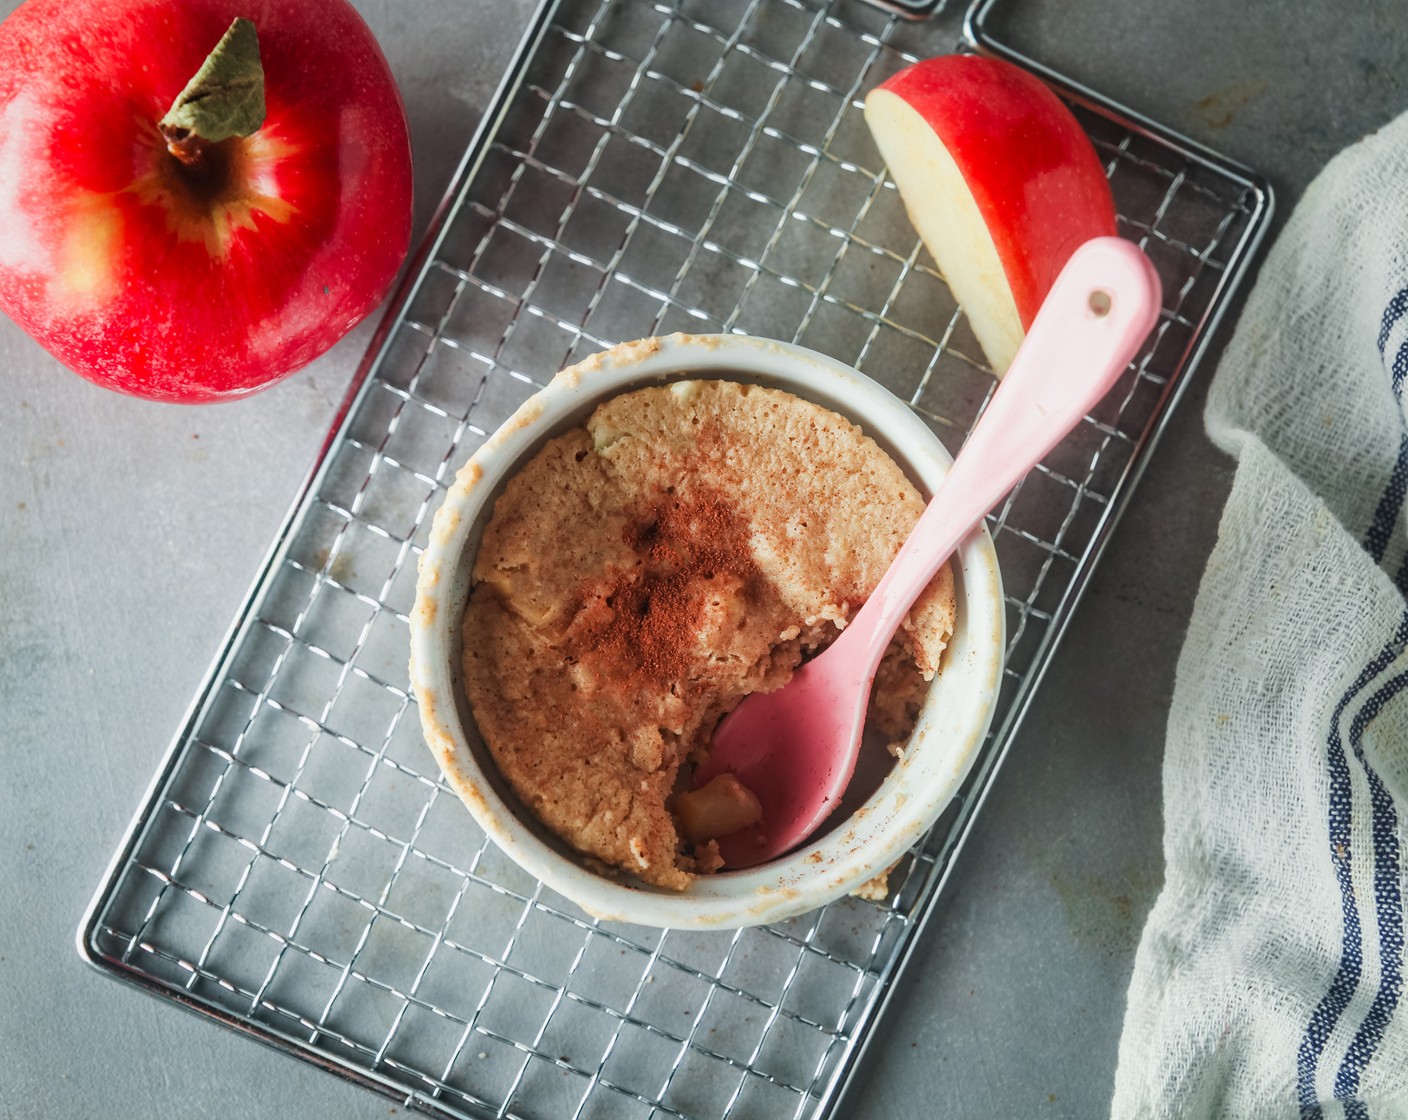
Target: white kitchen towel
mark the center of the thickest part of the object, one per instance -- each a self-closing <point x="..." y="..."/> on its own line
<point x="1269" y="981"/>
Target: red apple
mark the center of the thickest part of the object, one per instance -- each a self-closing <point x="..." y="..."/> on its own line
<point x="1000" y="181"/>
<point x="196" y="265"/>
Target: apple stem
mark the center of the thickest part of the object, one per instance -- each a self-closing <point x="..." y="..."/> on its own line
<point x="187" y="147"/>
<point x="225" y="98"/>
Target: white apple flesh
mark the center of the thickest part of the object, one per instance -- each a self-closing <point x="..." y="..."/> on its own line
<point x="999" y="180"/>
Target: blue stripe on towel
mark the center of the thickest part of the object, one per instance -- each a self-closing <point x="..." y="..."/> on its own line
<point x="1388" y="901"/>
<point x="1398" y="371"/>
<point x="1391" y="503"/>
<point x="1397" y="307"/>
<point x="1390" y="506"/>
<point x="1332" y="1005"/>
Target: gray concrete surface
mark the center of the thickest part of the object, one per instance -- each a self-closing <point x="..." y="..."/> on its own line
<point x="128" y="535"/>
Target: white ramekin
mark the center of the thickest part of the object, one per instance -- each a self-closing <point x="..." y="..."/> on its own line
<point x="951" y="724"/>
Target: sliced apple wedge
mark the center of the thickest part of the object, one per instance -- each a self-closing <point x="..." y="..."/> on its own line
<point x="1000" y="181"/>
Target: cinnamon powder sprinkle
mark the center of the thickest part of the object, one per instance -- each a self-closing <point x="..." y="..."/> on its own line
<point x="690" y="552"/>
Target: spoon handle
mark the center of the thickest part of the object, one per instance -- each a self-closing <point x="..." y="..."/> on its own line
<point x="1099" y="311"/>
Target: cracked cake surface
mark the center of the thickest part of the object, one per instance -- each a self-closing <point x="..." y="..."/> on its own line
<point x="689" y="545"/>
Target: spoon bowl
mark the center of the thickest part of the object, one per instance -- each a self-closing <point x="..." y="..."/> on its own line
<point x="795" y="749"/>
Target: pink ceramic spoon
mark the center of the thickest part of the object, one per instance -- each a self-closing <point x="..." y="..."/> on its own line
<point x="796" y="748"/>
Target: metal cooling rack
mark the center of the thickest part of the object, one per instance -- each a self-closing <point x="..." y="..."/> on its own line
<point x="300" y="872"/>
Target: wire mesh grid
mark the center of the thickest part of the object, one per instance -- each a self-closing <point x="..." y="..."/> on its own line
<point x="302" y="871"/>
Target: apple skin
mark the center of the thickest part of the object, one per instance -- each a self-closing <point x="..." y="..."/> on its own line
<point x="1031" y="170"/>
<point x="151" y="281"/>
